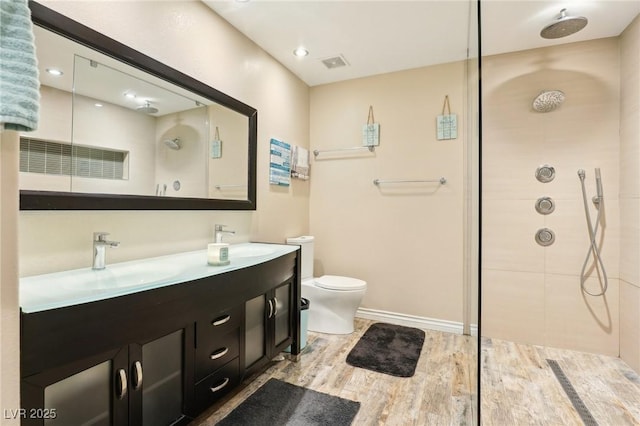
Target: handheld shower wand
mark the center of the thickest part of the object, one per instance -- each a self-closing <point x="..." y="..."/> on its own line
<point x="598" y="184"/>
<point x="593" y="230"/>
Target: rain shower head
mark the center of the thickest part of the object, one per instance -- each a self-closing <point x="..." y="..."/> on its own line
<point x="548" y="100"/>
<point x="173" y="143"/>
<point x="564" y="26"/>
<point x="147" y="108"/>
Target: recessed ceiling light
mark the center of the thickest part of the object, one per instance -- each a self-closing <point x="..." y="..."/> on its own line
<point x="301" y="52"/>
<point x="97" y="105"/>
<point x="54" y="71"/>
<point x="130" y="95"/>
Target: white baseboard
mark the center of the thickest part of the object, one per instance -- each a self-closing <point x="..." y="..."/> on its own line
<point x="414" y="321"/>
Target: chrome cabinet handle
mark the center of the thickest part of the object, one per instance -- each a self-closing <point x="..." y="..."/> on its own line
<point x="219" y="353"/>
<point x="270" y="308"/>
<point x="137" y="375"/>
<point x="221" y="320"/>
<point x="122" y="383"/>
<point x="275" y="304"/>
<point x="224" y="383"/>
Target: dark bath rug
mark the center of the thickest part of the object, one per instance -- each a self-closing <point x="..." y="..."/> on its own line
<point x="279" y="403"/>
<point x="389" y="349"/>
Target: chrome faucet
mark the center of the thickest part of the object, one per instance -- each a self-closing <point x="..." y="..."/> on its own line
<point x="100" y="244"/>
<point x="219" y="232"/>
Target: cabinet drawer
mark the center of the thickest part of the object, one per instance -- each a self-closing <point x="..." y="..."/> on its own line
<point x="214" y="353"/>
<point x="218" y="384"/>
<point x="219" y="323"/>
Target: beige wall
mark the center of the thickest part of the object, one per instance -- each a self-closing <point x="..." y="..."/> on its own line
<point x="9" y="313"/>
<point x="630" y="195"/>
<point x="532" y="294"/>
<point x="405" y="240"/>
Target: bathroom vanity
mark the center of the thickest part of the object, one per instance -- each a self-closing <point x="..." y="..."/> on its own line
<point x="123" y="349"/>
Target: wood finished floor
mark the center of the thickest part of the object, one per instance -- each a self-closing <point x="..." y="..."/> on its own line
<point x="438" y="394"/>
<point x="518" y="386"/>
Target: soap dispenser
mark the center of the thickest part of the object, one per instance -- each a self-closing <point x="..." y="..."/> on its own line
<point x="218" y="252"/>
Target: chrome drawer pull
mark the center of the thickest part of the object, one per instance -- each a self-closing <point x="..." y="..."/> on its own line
<point x="137" y="375"/>
<point x="122" y="375"/>
<point x="219" y="353"/>
<point x="275" y="306"/>
<point x="221" y="320"/>
<point x="225" y="382"/>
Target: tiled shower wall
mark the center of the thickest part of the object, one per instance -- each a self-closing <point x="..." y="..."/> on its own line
<point x="630" y="195"/>
<point x="532" y="294"/>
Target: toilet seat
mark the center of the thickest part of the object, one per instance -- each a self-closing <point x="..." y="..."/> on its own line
<point x="335" y="282"/>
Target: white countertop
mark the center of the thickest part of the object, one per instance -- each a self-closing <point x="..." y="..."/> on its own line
<point x="73" y="287"/>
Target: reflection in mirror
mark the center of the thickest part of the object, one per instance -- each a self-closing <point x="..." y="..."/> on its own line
<point x="161" y="134"/>
<point x="227" y="154"/>
<point x="113" y="136"/>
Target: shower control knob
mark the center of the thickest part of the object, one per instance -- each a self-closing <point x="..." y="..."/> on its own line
<point x="545" y="205"/>
<point x="545" y="237"/>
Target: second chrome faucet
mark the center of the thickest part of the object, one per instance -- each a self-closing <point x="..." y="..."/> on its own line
<point x="100" y="244"/>
<point x="219" y="232"/>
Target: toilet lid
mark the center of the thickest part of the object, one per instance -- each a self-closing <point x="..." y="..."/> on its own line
<point x="334" y="282"/>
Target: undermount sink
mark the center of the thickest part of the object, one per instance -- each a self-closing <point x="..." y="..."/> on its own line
<point x="119" y="276"/>
<point x="250" y="250"/>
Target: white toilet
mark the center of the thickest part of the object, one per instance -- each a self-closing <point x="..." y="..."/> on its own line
<point x="333" y="300"/>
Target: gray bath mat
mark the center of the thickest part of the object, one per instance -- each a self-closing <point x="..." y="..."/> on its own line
<point x="279" y="403"/>
<point x="389" y="349"/>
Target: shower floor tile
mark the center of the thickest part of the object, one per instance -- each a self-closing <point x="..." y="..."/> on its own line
<point x="519" y="386"/>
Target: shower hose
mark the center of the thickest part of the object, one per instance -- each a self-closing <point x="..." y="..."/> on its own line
<point x="593" y="230"/>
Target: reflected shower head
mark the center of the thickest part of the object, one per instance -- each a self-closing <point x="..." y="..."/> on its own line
<point x="173" y="143"/>
<point x="147" y="108"/>
<point x="564" y="26"/>
<point x="548" y="100"/>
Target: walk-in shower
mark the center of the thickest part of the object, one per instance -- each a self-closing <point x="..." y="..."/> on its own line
<point x="594" y="251"/>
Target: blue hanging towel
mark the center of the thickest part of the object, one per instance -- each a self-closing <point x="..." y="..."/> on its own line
<point x="19" y="83"/>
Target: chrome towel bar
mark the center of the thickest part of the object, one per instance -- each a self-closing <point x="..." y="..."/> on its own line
<point x="228" y="186"/>
<point x="317" y="152"/>
<point x="442" y="181"/>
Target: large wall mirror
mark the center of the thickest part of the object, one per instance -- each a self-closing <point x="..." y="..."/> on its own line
<point x="121" y="131"/>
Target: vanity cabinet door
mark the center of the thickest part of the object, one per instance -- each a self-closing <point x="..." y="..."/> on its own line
<point x="282" y="315"/>
<point x="256" y="331"/>
<point x="158" y="379"/>
<point x="268" y="325"/>
<point x="139" y="384"/>
<point x="92" y="391"/>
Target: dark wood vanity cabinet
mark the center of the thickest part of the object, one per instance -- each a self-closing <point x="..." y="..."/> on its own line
<point x="157" y="357"/>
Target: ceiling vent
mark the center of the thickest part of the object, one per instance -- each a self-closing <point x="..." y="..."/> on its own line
<point x="335" y="62"/>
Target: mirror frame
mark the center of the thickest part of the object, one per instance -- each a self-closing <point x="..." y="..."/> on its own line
<point x="53" y="200"/>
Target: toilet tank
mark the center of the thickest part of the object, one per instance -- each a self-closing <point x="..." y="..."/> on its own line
<point x="306" y="252"/>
